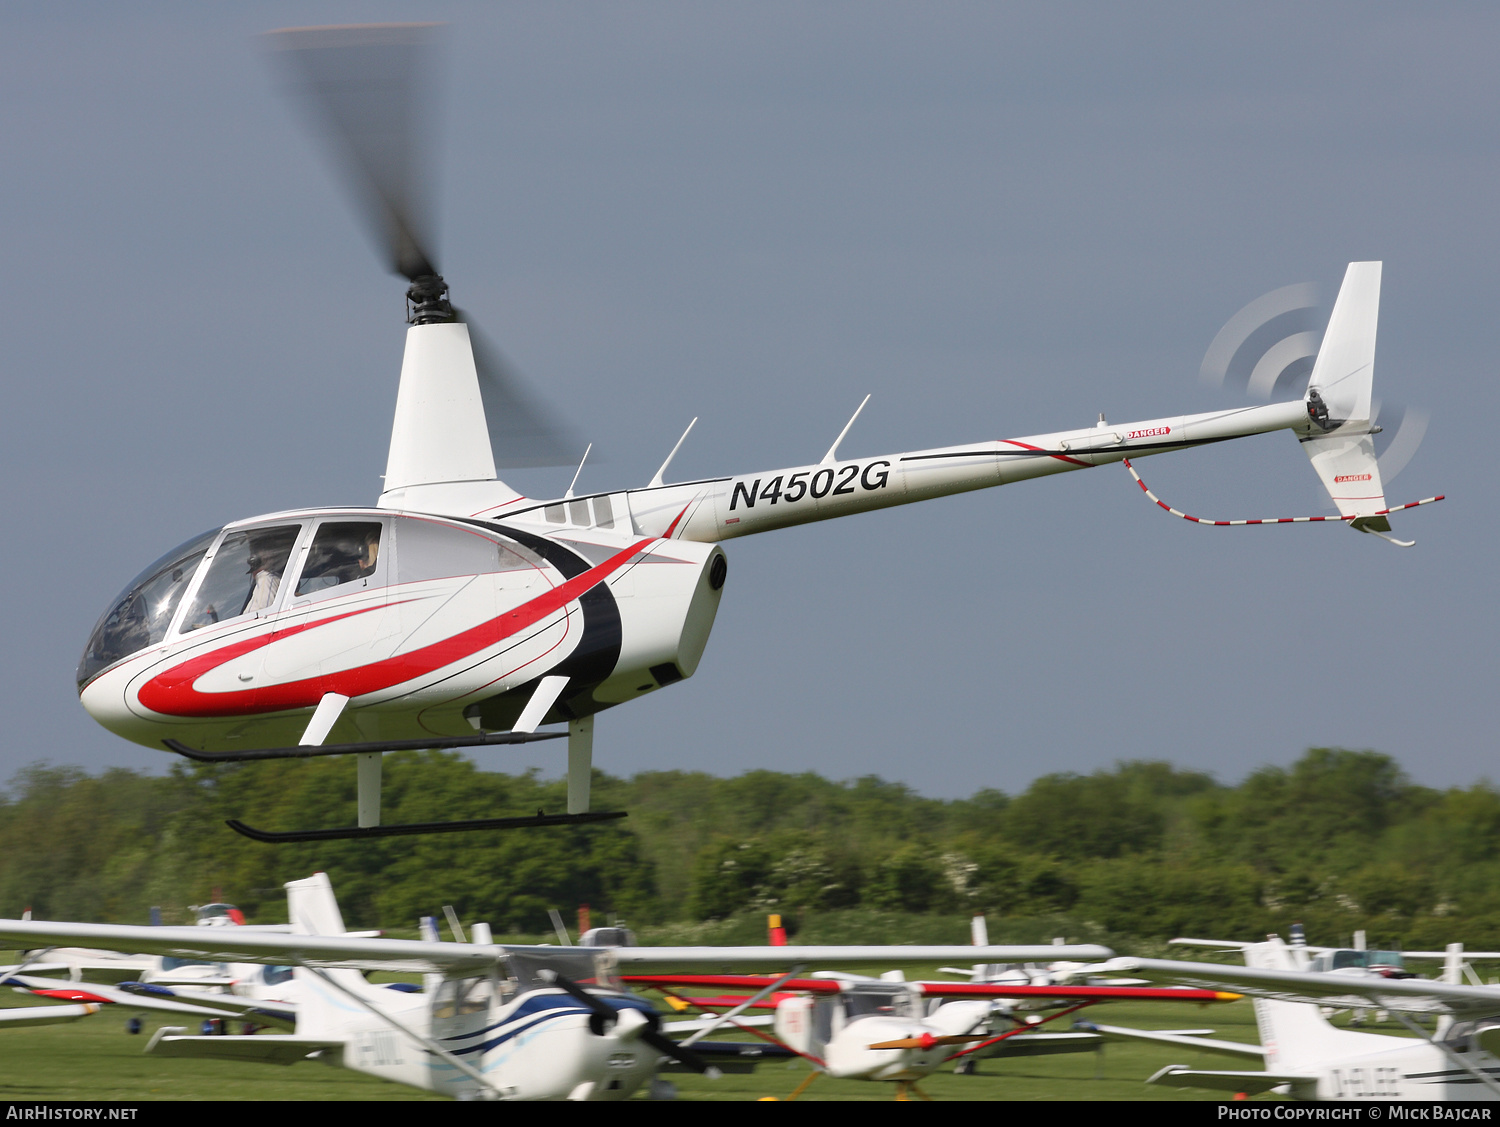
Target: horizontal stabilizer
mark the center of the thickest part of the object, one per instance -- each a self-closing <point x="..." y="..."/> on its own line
<point x="1183" y="1038"/>
<point x="264" y="1049"/>
<point x="1251" y="1083"/>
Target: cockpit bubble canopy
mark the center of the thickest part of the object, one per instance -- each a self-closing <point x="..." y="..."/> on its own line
<point x="318" y="555"/>
<point x="141" y="615"/>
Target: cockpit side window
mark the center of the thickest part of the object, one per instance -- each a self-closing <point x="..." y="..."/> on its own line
<point x="140" y="617"/>
<point x="342" y="552"/>
<point x="244" y="576"/>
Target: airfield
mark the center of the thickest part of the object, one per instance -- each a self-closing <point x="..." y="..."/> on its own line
<point x="94" y="1059"/>
<point x="1341" y="841"/>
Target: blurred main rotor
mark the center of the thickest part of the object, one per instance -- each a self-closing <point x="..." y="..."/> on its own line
<point x="368" y="91"/>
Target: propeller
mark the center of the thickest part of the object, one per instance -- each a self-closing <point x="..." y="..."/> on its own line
<point x="368" y="93"/>
<point x="1268" y="349"/>
<point x="606" y="1016"/>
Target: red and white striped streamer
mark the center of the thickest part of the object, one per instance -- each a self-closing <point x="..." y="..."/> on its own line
<point x="1265" y="520"/>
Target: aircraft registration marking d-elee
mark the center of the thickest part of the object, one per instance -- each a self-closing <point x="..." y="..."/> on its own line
<point x="458" y="613"/>
<point x="493" y="1021"/>
<point x="1308" y="1058"/>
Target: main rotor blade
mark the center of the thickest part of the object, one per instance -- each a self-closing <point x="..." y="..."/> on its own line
<point x="365" y="88"/>
<point x="523" y="432"/>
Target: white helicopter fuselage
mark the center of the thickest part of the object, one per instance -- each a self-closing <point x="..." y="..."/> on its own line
<point x="419" y="654"/>
<point x="479" y="593"/>
<point x="457" y="604"/>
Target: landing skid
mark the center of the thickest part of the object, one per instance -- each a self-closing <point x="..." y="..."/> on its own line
<point x="307" y="751"/>
<point x="580" y="736"/>
<point x="358" y="832"/>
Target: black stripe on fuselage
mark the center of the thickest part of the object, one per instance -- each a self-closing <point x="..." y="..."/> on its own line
<point x="598" y="650"/>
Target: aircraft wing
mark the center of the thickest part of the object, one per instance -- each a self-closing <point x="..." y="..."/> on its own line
<point x="1040" y="1045"/>
<point x="934" y="989"/>
<point x="240" y="945"/>
<point x="1076" y="993"/>
<point x="159" y="999"/>
<point x="44" y="1015"/>
<point x="1321" y="987"/>
<point x="646" y="960"/>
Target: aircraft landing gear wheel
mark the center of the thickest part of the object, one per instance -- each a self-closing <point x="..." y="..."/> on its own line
<point x="964" y="1068"/>
<point x="133" y="1025"/>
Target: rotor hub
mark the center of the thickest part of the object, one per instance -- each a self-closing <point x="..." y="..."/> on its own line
<point x="427" y="301"/>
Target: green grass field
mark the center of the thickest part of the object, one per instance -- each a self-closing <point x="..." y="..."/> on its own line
<point x="94" y="1059"/>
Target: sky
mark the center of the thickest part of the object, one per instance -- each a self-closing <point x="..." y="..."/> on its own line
<point x="996" y="219"/>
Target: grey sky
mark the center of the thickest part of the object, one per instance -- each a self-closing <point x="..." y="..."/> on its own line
<point x="997" y="218"/>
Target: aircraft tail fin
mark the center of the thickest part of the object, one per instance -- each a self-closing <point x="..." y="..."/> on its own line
<point x="312" y="908"/>
<point x="1339" y="442"/>
<point x="1295" y="1035"/>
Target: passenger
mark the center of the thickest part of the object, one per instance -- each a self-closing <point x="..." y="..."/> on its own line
<point x="371" y="557"/>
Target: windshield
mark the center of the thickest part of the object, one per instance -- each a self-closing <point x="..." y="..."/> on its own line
<point x="1342" y="959"/>
<point x="141" y="615"/>
<point x="581" y="965"/>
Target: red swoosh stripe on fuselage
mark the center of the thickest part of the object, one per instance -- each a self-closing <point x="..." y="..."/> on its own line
<point x="172" y="692"/>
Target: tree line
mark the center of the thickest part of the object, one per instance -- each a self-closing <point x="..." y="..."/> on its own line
<point x="1339" y="840"/>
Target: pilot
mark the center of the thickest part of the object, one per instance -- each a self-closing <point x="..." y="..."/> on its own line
<point x="267" y="562"/>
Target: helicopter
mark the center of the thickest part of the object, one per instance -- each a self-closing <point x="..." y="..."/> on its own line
<point x="457" y="613"/>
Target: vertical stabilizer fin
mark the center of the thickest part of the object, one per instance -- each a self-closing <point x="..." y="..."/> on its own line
<point x="1296" y="1036"/>
<point x="1340" y="443"/>
<point x="1344" y="371"/>
<point x="312" y="907"/>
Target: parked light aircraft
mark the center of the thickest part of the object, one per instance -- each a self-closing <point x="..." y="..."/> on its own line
<point x="1309" y="1058"/>
<point x="888" y="1029"/>
<point x="492" y="1021"/>
<point x="458" y="613"/>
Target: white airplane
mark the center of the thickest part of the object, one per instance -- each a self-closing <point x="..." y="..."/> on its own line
<point x="1307" y="1057"/>
<point x="887" y="1029"/>
<point x="458" y="613"/>
<point x="491" y="1022"/>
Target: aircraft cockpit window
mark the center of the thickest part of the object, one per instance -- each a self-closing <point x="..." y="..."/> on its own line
<point x="244" y="576"/>
<point x="458" y="997"/>
<point x="140" y="617"/>
<point x="862" y="1004"/>
<point x="585" y="967"/>
<point x="429" y="550"/>
<point x="342" y="552"/>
